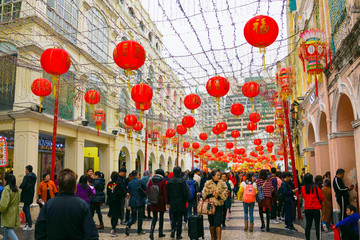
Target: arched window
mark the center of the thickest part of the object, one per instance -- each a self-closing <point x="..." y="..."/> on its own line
<point x="64" y="17"/>
<point x="150" y="36"/>
<point x="131" y="12"/>
<point x="8" y="58"/>
<point x="9" y="10"/>
<point x="142" y="26"/>
<point x="98" y="35"/>
<point x="124" y="38"/>
<point x="124" y="106"/>
<point x="157" y="46"/>
<point x="151" y="72"/>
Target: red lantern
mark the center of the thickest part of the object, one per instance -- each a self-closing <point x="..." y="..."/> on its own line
<point x="215" y="131"/>
<point x="143" y="106"/>
<point x="270" y="144"/>
<point x="99" y="118"/>
<point x="251" y="90"/>
<point x="237" y="109"/>
<point x="237" y="151"/>
<point x="235" y="133"/>
<point x="251" y="126"/>
<point x="138" y="126"/>
<point x="254" y="117"/>
<point x="170" y="133"/>
<point x="130" y="120"/>
<point x="186" y="144"/>
<point x="196" y="161"/>
<point x="180" y="129"/>
<point x="188" y="121"/>
<point x="221" y="127"/>
<point x="141" y="93"/>
<point x="229" y="145"/>
<point x="217" y="87"/>
<point x="92" y="97"/>
<point x="55" y="61"/>
<point x="261" y="31"/>
<point x="220" y="154"/>
<point x="129" y="55"/>
<point x="269" y="129"/>
<point x="195" y="145"/>
<point x="242" y="151"/>
<point x="214" y="150"/>
<point x="203" y="136"/>
<point x="41" y="87"/>
<point x="257" y="141"/>
<point x="207" y="147"/>
<point x="192" y="101"/>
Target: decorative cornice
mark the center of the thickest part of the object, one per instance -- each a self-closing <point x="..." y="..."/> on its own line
<point x="341" y="134"/>
<point x="356" y="123"/>
<point x="321" y="143"/>
<point x="309" y="149"/>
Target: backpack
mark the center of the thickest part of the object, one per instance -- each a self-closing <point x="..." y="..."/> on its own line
<point x="191" y="185"/>
<point x="154" y="194"/>
<point x="261" y="195"/>
<point x="249" y="193"/>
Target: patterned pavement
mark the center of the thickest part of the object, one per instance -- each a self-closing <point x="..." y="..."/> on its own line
<point x="233" y="229"/>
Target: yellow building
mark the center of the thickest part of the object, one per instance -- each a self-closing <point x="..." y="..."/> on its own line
<point x="88" y="31"/>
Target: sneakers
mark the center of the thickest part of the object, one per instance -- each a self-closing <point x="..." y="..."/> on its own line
<point x="279" y="219"/>
<point x="274" y="221"/>
<point x="141" y="233"/>
<point x="282" y="218"/>
<point x="27" y="228"/>
<point x="291" y="229"/>
<point x="227" y="219"/>
<point x="325" y="228"/>
<point x="113" y="233"/>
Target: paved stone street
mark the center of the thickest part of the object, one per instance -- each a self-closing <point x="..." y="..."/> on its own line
<point x="233" y="229"/>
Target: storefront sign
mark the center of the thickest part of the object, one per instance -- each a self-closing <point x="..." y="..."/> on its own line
<point x="3" y="153"/>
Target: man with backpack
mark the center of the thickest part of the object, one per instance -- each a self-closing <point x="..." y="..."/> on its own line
<point x="157" y="197"/>
<point x="194" y="191"/>
<point x="286" y="194"/>
<point x="247" y="194"/>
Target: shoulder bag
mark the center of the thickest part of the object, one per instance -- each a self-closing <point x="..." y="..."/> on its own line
<point x="206" y="207"/>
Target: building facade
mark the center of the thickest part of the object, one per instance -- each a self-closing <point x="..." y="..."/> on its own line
<point x="88" y="31"/>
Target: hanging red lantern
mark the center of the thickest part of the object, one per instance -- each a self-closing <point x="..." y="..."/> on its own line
<point x="285" y="78"/>
<point x="254" y="117"/>
<point x="180" y="129"/>
<point x="170" y="133"/>
<point x="251" y="126"/>
<point x="203" y="136"/>
<point x="130" y="120"/>
<point x="186" y="144"/>
<point x="270" y="144"/>
<point x="141" y="93"/>
<point x="215" y="131"/>
<point x="129" y="55"/>
<point x="229" y="145"/>
<point x="138" y="126"/>
<point x="143" y="106"/>
<point x="195" y="145"/>
<point x="214" y="150"/>
<point x="217" y="87"/>
<point x="237" y="151"/>
<point x="242" y="151"/>
<point x="207" y="147"/>
<point x="196" y="161"/>
<point x="55" y="61"/>
<point x="221" y="127"/>
<point x="220" y="154"/>
<point x="257" y="141"/>
<point x="188" y="121"/>
<point x="237" y="109"/>
<point x="99" y="118"/>
<point x="41" y="87"/>
<point x="269" y="129"/>
<point x="261" y="31"/>
<point x="250" y="90"/>
<point x="235" y="133"/>
<point x="92" y="97"/>
<point x="261" y="152"/>
<point x="192" y="102"/>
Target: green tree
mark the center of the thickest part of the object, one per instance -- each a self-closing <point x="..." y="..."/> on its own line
<point x="222" y="166"/>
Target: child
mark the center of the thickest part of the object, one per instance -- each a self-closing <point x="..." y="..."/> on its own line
<point x="349" y="226"/>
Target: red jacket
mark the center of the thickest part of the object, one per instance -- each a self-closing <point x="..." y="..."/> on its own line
<point x="161" y="206"/>
<point x="311" y="199"/>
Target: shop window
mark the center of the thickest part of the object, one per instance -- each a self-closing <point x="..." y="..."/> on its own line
<point x="45" y="153"/>
<point x="100" y="86"/>
<point x="64" y="17"/>
<point x="9" y="10"/>
<point x="98" y="35"/>
<point x="67" y="95"/>
<point x="8" y="59"/>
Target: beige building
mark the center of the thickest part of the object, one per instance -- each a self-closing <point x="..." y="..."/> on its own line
<point x="88" y="31"/>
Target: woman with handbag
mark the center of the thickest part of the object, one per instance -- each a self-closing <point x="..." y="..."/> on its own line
<point x="313" y="198"/>
<point x="215" y="192"/>
<point x="265" y="189"/>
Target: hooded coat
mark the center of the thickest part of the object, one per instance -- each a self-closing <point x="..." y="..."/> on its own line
<point x="9" y="208"/>
<point x="178" y="193"/>
<point x="28" y="188"/>
<point x="99" y="185"/>
<point x="160" y="181"/>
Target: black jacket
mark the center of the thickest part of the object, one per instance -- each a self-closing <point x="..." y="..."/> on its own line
<point x="178" y="193"/>
<point x="340" y="189"/>
<point x="65" y="216"/>
<point x="28" y="188"/>
<point x="99" y="185"/>
<point x="288" y="194"/>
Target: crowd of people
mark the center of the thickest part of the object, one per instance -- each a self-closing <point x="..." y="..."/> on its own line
<point x="69" y="203"/>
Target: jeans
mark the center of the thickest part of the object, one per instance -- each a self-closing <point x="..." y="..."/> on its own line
<point x="288" y="209"/>
<point x="136" y="212"/>
<point x="191" y="210"/>
<point x="215" y="220"/>
<point x="249" y="210"/>
<point x="311" y="215"/>
<point x="26" y="210"/>
<point x="9" y="233"/>
<point x="176" y="222"/>
<point x="96" y="207"/>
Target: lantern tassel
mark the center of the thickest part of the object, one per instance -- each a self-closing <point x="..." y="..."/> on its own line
<point x="316" y="86"/>
<point x="54" y="79"/>
<point x="128" y="73"/>
<point x="219" y="108"/>
<point x="41" y="99"/>
<point x="263" y="51"/>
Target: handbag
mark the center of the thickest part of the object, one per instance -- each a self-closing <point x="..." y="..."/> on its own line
<point x="336" y="232"/>
<point x="127" y="203"/>
<point x="206" y="207"/>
